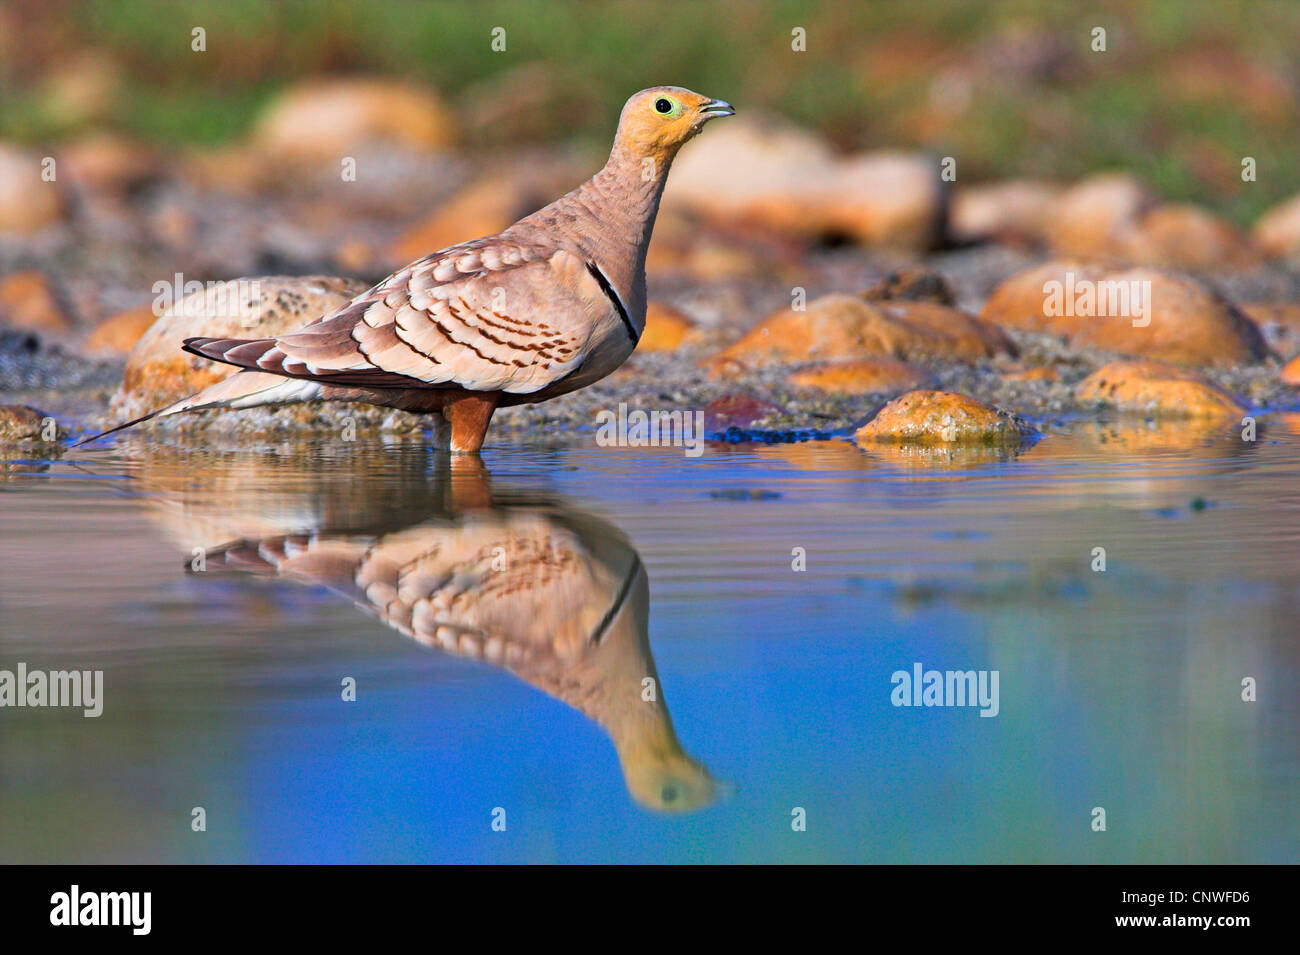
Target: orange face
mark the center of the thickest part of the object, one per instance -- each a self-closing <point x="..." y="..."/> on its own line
<point x="658" y="120"/>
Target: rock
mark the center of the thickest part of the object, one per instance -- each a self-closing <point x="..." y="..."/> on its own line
<point x="779" y="158"/>
<point x="159" y="372"/>
<point x="1096" y="216"/>
<point x="665" y="328"/>
<point x="1279" y="322"/>
<point x="791" y="181"/>
<point x="484" y="208"/>
<point x="106" y="162"/>
<point x="1277" y="231"/>
<point x="27" y="202"/>
<point x="912" y="283"/>
<point x="238" y="168"/>
<point x="328" y="119"/>
<point x="712" y="261"/>
<point x="28" y="301"/>
<point x="118" y="334"/>
<point x="19" y="423"/>
<point x="1186" y="321"/>
<point x="1290" y="373"/>
<point x="1041" y="373"/>
<point x="838" y="327"/>
<point x="885" y="199"/>
<point x="1015" y="210"/>
<point x="684" y="244"/>
<point x="739" y="410"/>
<point x="723" y="368"/>
<point x="82" y="88"/>
<point x="1153" y="387"/>
<point x="1114" y="217"/>
<point x="942" y="417"/>
<point x="1185" y="237"/>
<point x="863" y="377"/>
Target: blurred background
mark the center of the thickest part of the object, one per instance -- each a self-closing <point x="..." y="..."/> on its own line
<point x="225" y="160"/>
<point x="347" y="138"/>
<point x="1182" y="92"/>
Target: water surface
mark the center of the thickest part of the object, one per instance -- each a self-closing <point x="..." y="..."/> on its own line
<point x="601" y="572"/>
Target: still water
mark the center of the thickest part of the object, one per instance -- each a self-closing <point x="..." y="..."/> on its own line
<point x="630" y="655"/>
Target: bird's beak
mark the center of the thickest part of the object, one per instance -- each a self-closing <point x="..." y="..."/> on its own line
<point x="716" y="107"/>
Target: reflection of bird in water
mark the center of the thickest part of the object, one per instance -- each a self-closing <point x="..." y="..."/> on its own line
<point x="556" y="596"/>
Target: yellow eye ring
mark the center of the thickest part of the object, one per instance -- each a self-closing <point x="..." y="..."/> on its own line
<point x="667" y="107"/>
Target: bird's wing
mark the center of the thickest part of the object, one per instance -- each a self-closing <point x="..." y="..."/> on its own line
<point x="521" y="586"/>
<point x="489" y="315"/>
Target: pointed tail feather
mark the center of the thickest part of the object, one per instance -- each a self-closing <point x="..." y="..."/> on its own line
<point x="240" y="352"/>
<point x="247" y="389"/>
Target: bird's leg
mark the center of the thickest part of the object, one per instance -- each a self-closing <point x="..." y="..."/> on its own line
<point x="469" y="415"/>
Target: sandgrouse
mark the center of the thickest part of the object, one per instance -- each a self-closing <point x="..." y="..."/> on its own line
<point x="552" y="304"/>
<point x="554" y="595"/>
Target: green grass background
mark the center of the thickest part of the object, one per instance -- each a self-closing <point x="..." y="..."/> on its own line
<point x="1185" y="89"/>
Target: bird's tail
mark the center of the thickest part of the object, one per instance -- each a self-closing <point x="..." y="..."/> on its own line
<point x="247" y="389"/>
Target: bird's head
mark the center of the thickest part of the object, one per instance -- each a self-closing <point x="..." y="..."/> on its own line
<point x="673" y="782"/>
<point x="656" y="122"/>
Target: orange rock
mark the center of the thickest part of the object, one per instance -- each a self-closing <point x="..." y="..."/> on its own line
<point x="324" y="119"/>
<point x="159" y="372"/>
<point x="778" y="157"/>
<point x="483" y="208"/>
<point x="1290" y="373"/>
<point x="792" y="182"/>
<point x="941" y="417"/>
<point x="1277" y="231"/>
<point x="1278" y="321"/>
<point x="107" y="162"/>
<point x="235" y="168"/>
<point x="27" y="202"/>
<point x="911" y="283"/>
<point x="665" y="328"/>
<point x="1153" y="387"/>
<point x="1186" y="237"/>
<point x="722" y="368"/>
<point x="1095" y="217"/>
<point x="1284" y="315"/>
<point x="844" y="327"/>
<point x="28" y="301"/>
<point x="714" y="261"/>
<point x="1185" y="321"/>
<point x="1016" y="209"/>
<point x="884" y="199"/>
<point x="117" y="335"/>
<point x="863" y="376"/>
<point x="1042" y="373"/>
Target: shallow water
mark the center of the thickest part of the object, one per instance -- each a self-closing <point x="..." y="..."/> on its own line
<point x="601" y="569"/>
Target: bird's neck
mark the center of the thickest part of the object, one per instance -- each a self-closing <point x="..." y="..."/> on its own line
<point x="617" y="209"/>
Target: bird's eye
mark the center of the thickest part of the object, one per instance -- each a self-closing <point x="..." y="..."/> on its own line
<point x="667" y="107"/>
<point x="669" y="794"/>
